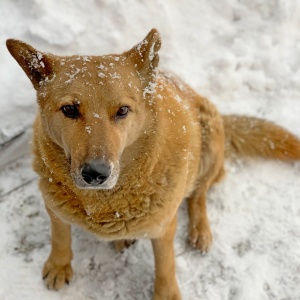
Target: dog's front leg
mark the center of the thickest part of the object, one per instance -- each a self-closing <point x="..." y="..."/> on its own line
<point x="165" y="286"/>
<point x="57" y="269"/>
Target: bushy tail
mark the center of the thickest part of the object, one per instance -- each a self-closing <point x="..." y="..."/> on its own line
<point x="253" y="137"/>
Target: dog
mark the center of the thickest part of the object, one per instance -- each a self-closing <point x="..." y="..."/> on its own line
<point x="119" y="144"/>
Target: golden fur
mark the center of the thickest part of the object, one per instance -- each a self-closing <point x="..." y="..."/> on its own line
<point x="171" y="146"/>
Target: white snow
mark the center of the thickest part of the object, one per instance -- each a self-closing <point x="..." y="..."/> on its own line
<point x="96" y="116"/>
<point x="72" y="75"/>
<point x="245" y="57"/>
<point x="101" y="75"/>
<point x="115" y="75"/>
<point x="149" y="89"/>
<point x="88" y="129"/>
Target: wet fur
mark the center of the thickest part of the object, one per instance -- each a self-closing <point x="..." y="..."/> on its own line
<point x="170" y="147"/>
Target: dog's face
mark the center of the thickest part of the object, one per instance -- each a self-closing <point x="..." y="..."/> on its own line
<point x="93" y="107"/>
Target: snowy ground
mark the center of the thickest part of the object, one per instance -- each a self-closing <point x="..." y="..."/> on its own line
<point x="244" y="56"/>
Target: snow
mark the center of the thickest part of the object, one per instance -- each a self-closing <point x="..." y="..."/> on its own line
<point x="245" y="57"/>
<point x="101" y="75"/>
<point x="88" y="129"/>
<point x="96" y="116"/>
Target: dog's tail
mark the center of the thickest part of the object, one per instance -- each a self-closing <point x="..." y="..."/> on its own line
<point x="253" y="137"/>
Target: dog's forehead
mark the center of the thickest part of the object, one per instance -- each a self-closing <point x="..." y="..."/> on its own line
<point x="106" y="78"/>
<point x="98" y="67"/>
<point x="96" y="71"/>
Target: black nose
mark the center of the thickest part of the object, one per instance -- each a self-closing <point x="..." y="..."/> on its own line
<point x="95" y="173"/>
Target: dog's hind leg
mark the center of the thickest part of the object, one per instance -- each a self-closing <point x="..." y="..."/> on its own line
<point x="57" y="269"/>
<point x="199" y="230"/>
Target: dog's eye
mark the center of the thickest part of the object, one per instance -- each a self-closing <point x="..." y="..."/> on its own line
<point x="70" y="111"/>
<point x="122" y="112"/>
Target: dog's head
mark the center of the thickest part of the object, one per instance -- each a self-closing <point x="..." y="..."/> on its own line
<point x="93" y="107"/>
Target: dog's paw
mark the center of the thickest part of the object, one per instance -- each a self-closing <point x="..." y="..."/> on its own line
<point x="55" y="276"/>
<point x="120" y="245"/>
<point x="200" y="237"/>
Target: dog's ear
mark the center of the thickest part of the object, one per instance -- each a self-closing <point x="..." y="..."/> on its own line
<point x="36" y="65"/>
<point x="145" y="54"/>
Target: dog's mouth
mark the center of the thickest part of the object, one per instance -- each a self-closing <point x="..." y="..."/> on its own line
<point x="96" y="175"/>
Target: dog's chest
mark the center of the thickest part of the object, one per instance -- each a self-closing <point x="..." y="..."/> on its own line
<point x="119" y="216"/>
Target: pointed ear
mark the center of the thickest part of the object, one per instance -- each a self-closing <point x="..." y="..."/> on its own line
<point x="145" y="54"/>
<point x="36" y="65"/>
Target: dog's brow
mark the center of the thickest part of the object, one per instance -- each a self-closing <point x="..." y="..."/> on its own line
<point x="124" y="102"/>
<point x="68" y="99"/>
